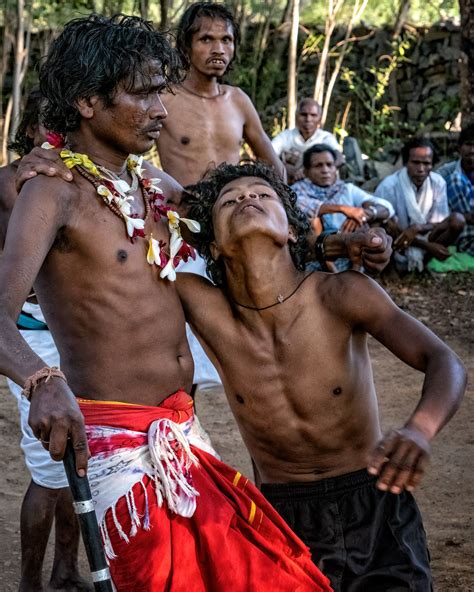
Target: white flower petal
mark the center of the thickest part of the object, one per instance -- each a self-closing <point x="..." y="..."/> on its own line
<point x="168" y="271"/>
<point x="191" y="224"/>
<point x="153" y="255"/>
<point x="133" y="223"/>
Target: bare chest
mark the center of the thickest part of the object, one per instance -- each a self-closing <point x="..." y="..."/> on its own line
<point x="212" y="126"/>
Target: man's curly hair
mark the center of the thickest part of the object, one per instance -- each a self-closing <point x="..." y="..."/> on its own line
<point x="93" y="55"/>
<point x="201" y="197"/>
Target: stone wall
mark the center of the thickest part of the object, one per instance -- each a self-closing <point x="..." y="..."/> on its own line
<point x="425" y="87"/>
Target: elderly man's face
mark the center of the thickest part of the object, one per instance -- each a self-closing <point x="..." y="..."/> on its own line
<point x="308" y="118"/>
<point x="419" y="165"/>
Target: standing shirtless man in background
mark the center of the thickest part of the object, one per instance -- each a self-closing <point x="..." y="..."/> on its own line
<point x="208" y="121"/>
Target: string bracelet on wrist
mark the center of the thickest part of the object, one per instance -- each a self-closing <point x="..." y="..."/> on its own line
<point x="45" y="374"/>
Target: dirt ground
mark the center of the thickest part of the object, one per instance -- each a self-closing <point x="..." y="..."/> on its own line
<point x="445" y="304"/>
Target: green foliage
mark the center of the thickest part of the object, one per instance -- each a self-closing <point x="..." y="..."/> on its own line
<point x="377" y="125"/>
<point x="384" y="12"/>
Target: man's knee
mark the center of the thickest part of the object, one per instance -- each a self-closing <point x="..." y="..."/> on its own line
<point x="456" y="222"/>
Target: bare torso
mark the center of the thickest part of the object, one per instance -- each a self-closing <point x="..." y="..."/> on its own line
<point x="298" y="379"/>
<point x="201" y="132"/>
<point x="119" y="328"/>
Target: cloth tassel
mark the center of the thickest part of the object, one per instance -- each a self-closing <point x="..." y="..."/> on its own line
<point x="118" y="526"/>
<point x="109" y="550"/>
<point x="172" y="458"/>
<point x="146" y="518"/>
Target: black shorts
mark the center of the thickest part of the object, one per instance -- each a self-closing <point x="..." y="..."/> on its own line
<point x="362" y="539"/>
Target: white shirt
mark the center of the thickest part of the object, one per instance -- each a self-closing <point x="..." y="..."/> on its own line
<point x="292" y="140"/>
<point x="391" y="190"/>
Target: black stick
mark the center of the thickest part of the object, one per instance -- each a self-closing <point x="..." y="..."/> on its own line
<point x="84" y="508"/>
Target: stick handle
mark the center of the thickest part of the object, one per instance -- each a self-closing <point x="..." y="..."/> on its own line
<point x="84" y="508"/>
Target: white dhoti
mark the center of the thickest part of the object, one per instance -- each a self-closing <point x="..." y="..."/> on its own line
<point x="205" y="374"/>
<point x="43" y="469"/>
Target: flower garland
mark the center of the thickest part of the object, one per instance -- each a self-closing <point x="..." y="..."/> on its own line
<point x="115" y="194"/>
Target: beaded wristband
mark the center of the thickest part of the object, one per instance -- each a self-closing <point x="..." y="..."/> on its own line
<point x="45" y="374"/>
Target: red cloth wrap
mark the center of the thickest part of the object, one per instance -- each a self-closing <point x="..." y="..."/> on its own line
<point x="234" y="542"/>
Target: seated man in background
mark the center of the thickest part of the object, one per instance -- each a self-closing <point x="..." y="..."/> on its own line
<point x="330" y="203"/>
<point x="291" y="144"/>
<point x="460" y="189"/>
<point x="422" y="227"/>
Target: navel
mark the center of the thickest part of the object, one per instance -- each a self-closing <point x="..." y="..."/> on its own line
<point x="122" y="255"/>
<point x="337" y="391"/>
<point x="240" y="399"/>
<point x="185" y="140"/>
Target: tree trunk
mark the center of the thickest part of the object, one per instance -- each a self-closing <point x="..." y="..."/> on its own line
<point x="271" y="69"/>
<point x="144" y="9"/>
<point x="402" y="15"/>
<point x="261" y="47"/>
<point x="22" y="47"/>
<point x="163" y="14"/>
<point x="467" y="62"/>
<point x="292" y="59"/>
<point x="334" y="6"/>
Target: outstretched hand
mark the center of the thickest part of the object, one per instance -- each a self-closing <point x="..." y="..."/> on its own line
<point x="370" y="248"/>
<point x="400" y="460"/>
<point x="41" y="161"/>
<point x="54" y="417"/>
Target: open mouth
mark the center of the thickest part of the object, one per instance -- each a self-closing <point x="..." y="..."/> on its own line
<point x="253" y="206"/>
<point x="216" y="62"/>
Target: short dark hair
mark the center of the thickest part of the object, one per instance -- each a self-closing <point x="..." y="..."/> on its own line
<point x="189" y="24"/>
<point x="418" y="143"/>
<point x="202" y="196"/>
<point x="466" y="135"/>
<point x="317" y="149"/>
<point x="23" y="143"/>
<point x="92" y="56"/>
<point x="308" y="101"/>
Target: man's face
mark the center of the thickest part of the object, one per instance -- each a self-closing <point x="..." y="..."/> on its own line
<point x="322" y="171"/>
<point x="247" y="207"/>
<point x="466" y="152"/>
<point x="133" y="120"/>
<point x="212" y="47"/>
<point x="308" y="118"/>
<point x="419" y="165"/>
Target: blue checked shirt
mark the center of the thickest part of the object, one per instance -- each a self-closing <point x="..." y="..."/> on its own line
<point x="461" y="199"/>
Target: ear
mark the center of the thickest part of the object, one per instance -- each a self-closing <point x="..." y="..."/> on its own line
<point x="31" y="130"/>
<point x="86" y="107"/>
<point x="292" y="236"/>
<point x="215" y="253"/>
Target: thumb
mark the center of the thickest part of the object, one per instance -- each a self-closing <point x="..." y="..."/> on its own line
<point x="373" y="239"/>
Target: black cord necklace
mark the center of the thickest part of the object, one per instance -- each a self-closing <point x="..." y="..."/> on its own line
<point x="280" y="299"/>
<point x="192" y="92"/>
